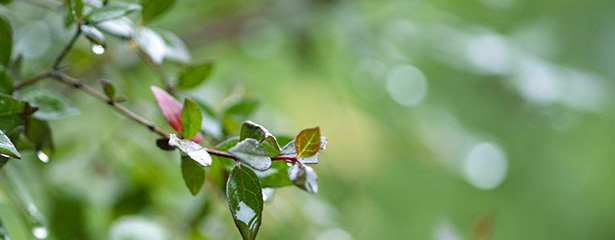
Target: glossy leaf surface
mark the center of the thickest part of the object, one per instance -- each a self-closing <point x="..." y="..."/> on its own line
<point x="39" y="134"/>
<point x="110" y="12"/>
<point x="151" y="43"/>
<point x="193" y="174"/>
<point x="307" y="142"/>
<point x="7" y="148"/>
<point x="193" y="76"/>
<point x="176" y="49"/>
<point x="195" y="151"/>
<point x="94" y="35"/>
<point x="6" y="41"/>
<point x="245" y="200"/>
<point x="304" y="177"/>
<point x="252" y="153"/>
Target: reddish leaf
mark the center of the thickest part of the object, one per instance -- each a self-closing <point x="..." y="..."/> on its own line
<point x="172" y="110"/>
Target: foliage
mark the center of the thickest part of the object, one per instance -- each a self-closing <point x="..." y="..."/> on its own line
<point x="252" y="161"/>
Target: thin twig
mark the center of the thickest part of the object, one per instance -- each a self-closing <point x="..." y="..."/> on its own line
<point x="31" y="80"/>
<point x="93" y="92"/>
<point x="67" y="48"/>
<point x="128" y="113"/>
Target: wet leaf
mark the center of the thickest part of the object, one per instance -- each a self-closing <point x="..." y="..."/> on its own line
<point x="74" y="9"/>
<point x="252" y="130"/>
<point x="170" y="108"/>
<point x="191" y="119"/>
<point x="193" y="174"/>
<point x="151" y="43"/>
<point x="154" y="8"/>
<point x="176" y="50"/>
<point x="195" y="151"/>
<point x="252" y="153"/>
<point x="6" y="41"/>
<point x="6" y="82"/>
<point x="110" y="12"/>
<point x="245" y="200"/>
<point x="94" y="35"/>
<point x="290" y="150"/>
<point x="39" y="134"/>
<point x="7" y="148"/>
<point x="108" y="88"/>
<point x="307" y="143"/>
<point x="121" y="27"/>
<point x="304" y="177"/>
<point x="276" y="176"/>
<point x="50" y="106"/>
<point x="193" y="76"/>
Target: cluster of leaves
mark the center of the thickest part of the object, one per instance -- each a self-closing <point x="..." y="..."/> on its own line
<point x="247" y="163"/>
<point x="241" y="166"/>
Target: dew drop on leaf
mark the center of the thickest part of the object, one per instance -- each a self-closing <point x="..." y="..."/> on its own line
<point x="42" y="156"/>
<point x="98" y="49"/>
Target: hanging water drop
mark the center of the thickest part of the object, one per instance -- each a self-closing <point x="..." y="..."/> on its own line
<point x="40" y="232"/>
<point x="42" y="156"/>
<point x="98" y="49"/>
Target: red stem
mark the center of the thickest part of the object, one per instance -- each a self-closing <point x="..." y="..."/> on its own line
<point x="279" y="158"/>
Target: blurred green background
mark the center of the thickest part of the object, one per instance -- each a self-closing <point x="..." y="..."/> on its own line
<point x="478" y="119"/>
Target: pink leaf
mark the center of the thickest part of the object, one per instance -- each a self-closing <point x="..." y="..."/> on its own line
<point x="172" y="110"/>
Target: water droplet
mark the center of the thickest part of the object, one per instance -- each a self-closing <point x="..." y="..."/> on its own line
<point x="98" y="49"/>
<point x="40" y="232"/>
<point x="42" y="156"/>
<point x="4" y="155"/>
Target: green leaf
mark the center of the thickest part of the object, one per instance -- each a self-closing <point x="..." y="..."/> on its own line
<point x="193" y="174"/>
<point x="307" y="143"/>
<point x="245" y="200"/>
<point x="252" y="130"/>
<point x="74" y="9"/>
<point x="193" y="76"/>
<point x="252" y="153"/>
<point x="276" y="176"/>
<point x="154" y="8"/>
<point x="151" y="43"/>
<point x="110" y="12"/>
<point x="176" y="48"/>
<point x="39" y="134"/>
<point x="108" y="88"/>
<point x="6" y="41"/>
<point x="7" y="148"/>
<point x="304" y="177"/>
<point x="94" y="35"/>
<point x="10" y="109"/>
<point x="50" y="106"/>
<point x="6" y="82"/>
<point x="191" y="119"/>
<point x="121" y="27"/>
<point x="4" y="233"/>
<point x="195" y="151"/>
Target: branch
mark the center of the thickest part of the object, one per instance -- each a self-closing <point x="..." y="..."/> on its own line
<point x="93" y="92"/>
<point x="32" y="80"/>
<point x="67" y="47"/>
